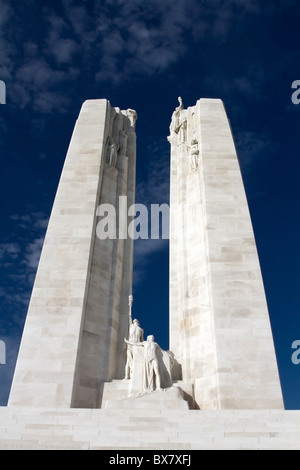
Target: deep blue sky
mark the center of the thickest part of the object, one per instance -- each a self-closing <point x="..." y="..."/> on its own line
<point x="143" y="55"/>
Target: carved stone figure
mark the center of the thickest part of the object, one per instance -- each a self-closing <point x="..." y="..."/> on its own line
<point x="194" y="155"/>
<point x="151" y="355"/>
<point x="179" y="122"/>
<point x="111" y="153"/>
<point x="176" y="116"/>
<point x="180" y="107"/>
<point x="152" y="375"/>
<point x="122" y="143"/>
<point x="132" y="116"/>
<point x="136" y="335"/>
<point x="182" y="131"/>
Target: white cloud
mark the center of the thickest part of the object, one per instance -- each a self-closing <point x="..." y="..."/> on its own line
<point x="116" y="41"/>
<point x="155" y="186"/>
<point x="149" y="36"/>
<point x="20" y="260"/>
<point x="33" y="252"/>
<point x="35" y="223"/>
<point x="113" y="41"/>
<point x="61" y="49"/>
<point x="39" y="84"/>
<point x="251" y="147"/>
<point x="9" y="250"/>
<point x="5" y="12"/>
<point x="153" y="189"/>
<point x="32" y="220"/>
<point x="145" y="248"/>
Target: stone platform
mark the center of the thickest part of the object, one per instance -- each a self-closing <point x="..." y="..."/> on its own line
<point x="170" y="398"/>
<point x="25" y="428"/>
<point x="117" y="393"/>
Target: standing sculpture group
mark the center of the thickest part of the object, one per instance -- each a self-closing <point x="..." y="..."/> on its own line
<point x="144" y="365"/>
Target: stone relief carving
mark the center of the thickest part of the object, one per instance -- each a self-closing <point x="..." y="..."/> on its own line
<point x="179" y="122"/>
<point x="120" y="124"/>
<point x="194" y="155"/>
<point x="111" y="152"/>
<point x="182" y="131"/>
<point x="176" y="116"/>
<point x="122" y="143"/>
<point x="111" y="120"/>
<point x="132" y="115"/>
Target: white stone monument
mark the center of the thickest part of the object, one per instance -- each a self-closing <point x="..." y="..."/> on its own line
<point x="220" y="333"/>
<point x="77" y="385"/>
<point x="220" y="329"/>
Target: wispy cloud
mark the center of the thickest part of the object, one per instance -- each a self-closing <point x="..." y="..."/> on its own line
<point x="109" y="41"/>
<point x="34" y="223"/>
<point x="9" y="251"/>
<point x="154" y="188"/>
<point x="19" y="260"/>
<point x="33" y="252"/>
<point x="251" y="147"/>
<point x="33" y="220"/>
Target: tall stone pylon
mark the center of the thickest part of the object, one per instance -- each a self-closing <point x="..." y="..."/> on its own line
<point x="220" y="329"/>
<point x="78" y="312"/>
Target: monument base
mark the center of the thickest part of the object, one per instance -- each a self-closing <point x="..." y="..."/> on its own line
<point x="26" y="428"/>
<point x="172" y="397"/>
<point x="118" y="394"/>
